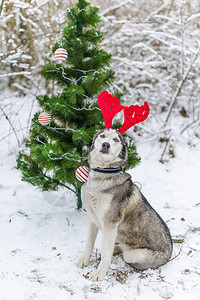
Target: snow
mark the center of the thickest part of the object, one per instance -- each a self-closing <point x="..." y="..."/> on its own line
<point x="42" y="239"/>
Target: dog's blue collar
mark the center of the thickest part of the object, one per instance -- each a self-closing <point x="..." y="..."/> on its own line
<point x="107" y="170"/>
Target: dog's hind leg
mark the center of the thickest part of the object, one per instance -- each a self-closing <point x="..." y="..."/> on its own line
<point x="142" y="259"/>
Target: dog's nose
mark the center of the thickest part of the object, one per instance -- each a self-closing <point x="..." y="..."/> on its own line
<point x="105" y="146"/>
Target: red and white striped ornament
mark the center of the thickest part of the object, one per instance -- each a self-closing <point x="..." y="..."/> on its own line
<point x="44" y="118"/>
<point x="61" y="54"/>
<point x="82" y="173"/>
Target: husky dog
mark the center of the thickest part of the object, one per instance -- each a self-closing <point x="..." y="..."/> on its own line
<point x="116" y="206"/>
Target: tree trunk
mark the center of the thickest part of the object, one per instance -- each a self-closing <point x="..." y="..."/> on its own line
<point x="79" y="201"/>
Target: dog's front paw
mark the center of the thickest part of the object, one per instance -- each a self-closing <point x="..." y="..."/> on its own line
<point x="97" y="275"/>
<point x="83" y="261"/>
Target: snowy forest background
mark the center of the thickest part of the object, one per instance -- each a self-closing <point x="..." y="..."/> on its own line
<point x="155" y="47"/>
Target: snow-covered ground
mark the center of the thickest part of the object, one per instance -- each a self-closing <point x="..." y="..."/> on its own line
<point x="42" y="235"/>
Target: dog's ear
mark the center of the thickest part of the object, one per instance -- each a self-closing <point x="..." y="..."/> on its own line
<point x="127" y="140"/>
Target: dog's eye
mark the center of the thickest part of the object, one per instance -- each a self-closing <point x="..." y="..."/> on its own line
<point x="102" y="136"/>
<point x="116" y="140"/>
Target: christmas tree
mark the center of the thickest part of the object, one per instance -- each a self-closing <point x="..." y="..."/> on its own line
<point x="53" y="152"/>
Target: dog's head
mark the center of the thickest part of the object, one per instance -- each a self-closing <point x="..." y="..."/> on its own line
<point x="109" y="149"/>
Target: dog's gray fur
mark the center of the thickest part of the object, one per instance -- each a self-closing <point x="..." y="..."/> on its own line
<point x="116" y="206"/>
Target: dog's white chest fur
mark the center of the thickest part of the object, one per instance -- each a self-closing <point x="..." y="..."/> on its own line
<point x="96" y="203"/>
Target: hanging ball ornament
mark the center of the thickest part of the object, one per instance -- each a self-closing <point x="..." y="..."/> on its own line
<point x="82" y="173"/>
<point x="44" y="118"/>
<point x="61" y="55"/>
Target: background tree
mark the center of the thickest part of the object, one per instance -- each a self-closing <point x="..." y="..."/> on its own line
<point x="55" y="151"/>
<point x="155" y="52"/>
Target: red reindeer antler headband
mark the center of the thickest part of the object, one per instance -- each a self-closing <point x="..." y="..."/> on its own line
<point x="110" y="106"/>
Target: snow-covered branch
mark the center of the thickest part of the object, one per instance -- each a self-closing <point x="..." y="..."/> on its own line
<point x="15" y="74"/>
<point x="114" y="7"/>
<point x="180" y="85"/>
